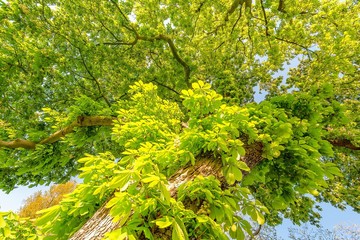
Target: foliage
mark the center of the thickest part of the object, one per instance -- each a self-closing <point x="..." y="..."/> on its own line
<point x="176" y="80"/>
<point x="14" y="227"/>
<point x="153" y="150"/>
<point x="39" y="200"/>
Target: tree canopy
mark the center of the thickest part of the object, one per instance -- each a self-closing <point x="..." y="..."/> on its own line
<point x="41" y="200"/>
<point x="152" y="104"/>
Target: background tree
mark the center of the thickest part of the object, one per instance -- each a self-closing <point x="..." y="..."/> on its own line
<point x="102" y="89"/>
<point x="306" y="232"/>
<point x="342" y="231"/>
<point x="40" y="200"/>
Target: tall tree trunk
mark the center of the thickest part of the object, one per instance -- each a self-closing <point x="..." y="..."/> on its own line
<point x="101" y="222"/>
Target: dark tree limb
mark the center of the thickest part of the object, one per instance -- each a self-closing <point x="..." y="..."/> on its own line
<point x="174" y="52"/>
<point x="281" y="7"/>
<point x="170" y="43"/>
<point x="343" y="143"/>
<point x="83" y="121"/>
<point x="165" y="38"/>
<point x="18" y="143"/>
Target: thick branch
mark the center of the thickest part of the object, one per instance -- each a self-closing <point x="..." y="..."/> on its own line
<point x="235" y="5"/>
<point x="83" y="121"/>
<point x="174" y="52"/>
<point x="170" y="42"/>
<point x="18" y="143"/>
<point x="343" y="143"/>
<point x="281" y="6"/>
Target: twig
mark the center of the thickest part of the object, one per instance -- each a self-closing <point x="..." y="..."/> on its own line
<point x="163" y="85"/>
<point x="257" y="231"/>
<point x="119" y="9"/>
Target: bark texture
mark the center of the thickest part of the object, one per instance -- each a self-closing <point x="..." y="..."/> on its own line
<point x="96" y="227"/>
<point x="101" y="222"/>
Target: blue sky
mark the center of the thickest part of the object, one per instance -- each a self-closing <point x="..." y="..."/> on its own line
<point x="331" y="217"/>
<point x="15" y="199"/>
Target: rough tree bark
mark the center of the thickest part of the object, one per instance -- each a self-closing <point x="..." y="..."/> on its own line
<point x="101" y="222"/>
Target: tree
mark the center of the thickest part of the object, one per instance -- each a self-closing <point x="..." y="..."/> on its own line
<point x="341" y="231"/>
<point x="152" y="104"/>
<point x="306" y="232"/>
<point x="39" y="200"/>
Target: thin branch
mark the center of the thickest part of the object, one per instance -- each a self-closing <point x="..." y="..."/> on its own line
<point x="154" y="60"/>
<point x="119" y="43"/>
<point x="120" y="11"/>
<point x="219" y="46"/>
<point x="167" y="87"/>
<point x="170" y="42"/>
<point x="297" y="44"/>
<point x="112" y="34"/>
<point x="265" y="18"/>
<point x="294" y="43"/>
<point x="237" y="20"/>
<point x="278" y="38"/>
<point x="232" y="9"/>
<point x="197" y="18"/>
<point x="266" y="23"/>
<point x="257" y="231"/>
<point x="93" y="78"/>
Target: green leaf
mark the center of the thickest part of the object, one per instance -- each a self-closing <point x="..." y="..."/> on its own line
<point x="164" y="222"/>
<point x="202" y="218"/>
<point x="333" y="169"/>
<point x="195" y="86"/>
<point x="260" y="218"/>
<point x="179" y="231"/>
<point x="232" y="174"/>
<point x="151" y="178"/>
<point x="242" y="165"/>
<point x="50" y="214"/>
<point x="122" y="180"/>
<point x="165" y="193"/>
<point x="279" y="203"/>
<point x="2" y="222"/>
